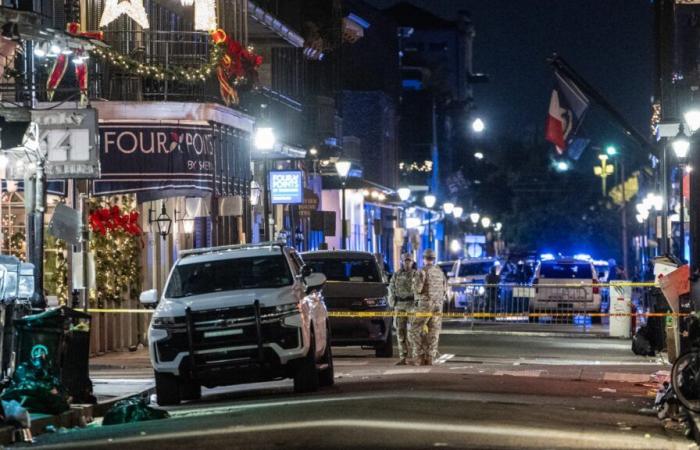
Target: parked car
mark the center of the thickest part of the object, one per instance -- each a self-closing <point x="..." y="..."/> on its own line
<point x="566" y="284"/>
<point x="355" y="283"/>
<point x="238" y="314"/>
<point x="465" y="281"/>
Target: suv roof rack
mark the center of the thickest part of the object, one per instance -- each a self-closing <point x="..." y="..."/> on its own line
<point x="201" y="251"/>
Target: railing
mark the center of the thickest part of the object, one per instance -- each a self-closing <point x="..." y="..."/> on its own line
<point x="579" y="306"/>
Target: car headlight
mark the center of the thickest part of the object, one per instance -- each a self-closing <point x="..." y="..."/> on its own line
<point x="375" y="302"/>
<point x="165" y="322"/>
<point x="287" y="308"/>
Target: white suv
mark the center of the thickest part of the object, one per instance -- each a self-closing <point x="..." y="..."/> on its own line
<point x="238" y="314"/>
<point x="566" y="284"/>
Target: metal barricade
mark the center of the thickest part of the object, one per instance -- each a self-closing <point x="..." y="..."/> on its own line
<point x="568" y="305"/>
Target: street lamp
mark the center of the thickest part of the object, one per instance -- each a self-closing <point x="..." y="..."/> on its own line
<point x="163" y="221"/>
<point x="478" y="125"/>
<point x="611" y="150"/>
<point x="343" y="169"/>
<point x="604" y="170"/>
<point x="455" y="246"/>
<point x="429" y="199"/>
<point x="264" y="138"/>
<point x="457" y="212"/>
<point x="692" y="119"/>
<point x="404" y="193"/>
<point x="474" y="217"/>
<point x="448" y="207"/>
<point x="485" y="222"/>
<point x="562" y="166"/>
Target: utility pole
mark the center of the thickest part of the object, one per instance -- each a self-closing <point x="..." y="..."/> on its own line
<point x="625" y="243"/>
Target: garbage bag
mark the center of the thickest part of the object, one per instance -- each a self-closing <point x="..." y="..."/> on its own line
<point x="34" y="387"/>
<point x="14" y="412"/>
<point x="132" y="409"/>
<point x="640" y="343"/>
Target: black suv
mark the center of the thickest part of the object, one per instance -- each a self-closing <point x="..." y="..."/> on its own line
<point x="356" y="282"/>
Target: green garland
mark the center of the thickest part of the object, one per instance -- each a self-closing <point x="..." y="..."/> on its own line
<point x="159" y="72"/>
<point x="117" y="256"/>
<point x="56" y="269"/>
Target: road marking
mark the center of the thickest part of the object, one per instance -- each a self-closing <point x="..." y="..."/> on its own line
<point x="444" y="358"/>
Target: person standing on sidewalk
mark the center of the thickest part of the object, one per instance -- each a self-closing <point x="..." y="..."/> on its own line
<point x="429" y="287"/>
<point x="402" y="299"/>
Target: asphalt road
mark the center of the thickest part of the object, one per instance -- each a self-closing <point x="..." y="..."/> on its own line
<point x="489" y="391"/>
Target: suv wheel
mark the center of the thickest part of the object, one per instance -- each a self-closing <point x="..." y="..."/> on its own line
<point x="326" y="376"/>
<point x="386" y="348"/>
<point x="167" y="389"/>
<point x="190" y="390"/>
<point x="306" y="375"/>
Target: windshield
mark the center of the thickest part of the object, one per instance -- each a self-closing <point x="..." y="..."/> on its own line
<point x="229" y="275"/>
<point x="564" y="270"/>
<point x="469" y="269"/>
<point x="346" y="270"/>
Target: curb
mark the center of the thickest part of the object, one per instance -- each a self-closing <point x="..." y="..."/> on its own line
<point x="75" y="416"/>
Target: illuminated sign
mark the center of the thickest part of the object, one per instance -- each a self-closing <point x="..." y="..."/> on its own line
<point x="286" y="187"/>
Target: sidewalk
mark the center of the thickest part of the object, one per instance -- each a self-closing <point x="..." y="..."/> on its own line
<point x="121" y="360"/>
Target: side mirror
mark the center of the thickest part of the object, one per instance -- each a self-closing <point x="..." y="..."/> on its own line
<point x="314" y="281"/>
<point x="149" y="297"/>
<point x="306" y="271"/>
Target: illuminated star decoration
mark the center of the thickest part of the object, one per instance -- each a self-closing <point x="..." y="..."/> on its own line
<point x="132" y="8"/>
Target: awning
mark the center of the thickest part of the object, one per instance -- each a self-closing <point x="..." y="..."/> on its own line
<point x="266" y="29"/>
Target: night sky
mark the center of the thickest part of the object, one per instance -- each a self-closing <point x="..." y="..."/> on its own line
<point x="609" y="42"/>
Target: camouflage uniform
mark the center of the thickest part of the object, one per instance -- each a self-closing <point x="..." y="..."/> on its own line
<point x="429" y="287"/>
<point x="402" y="299"/>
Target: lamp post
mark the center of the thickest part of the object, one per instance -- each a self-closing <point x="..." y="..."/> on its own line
<point x="604" y="170"/>
<point x="343" y="169"/>
<point x="404" y="193"/>
<point x="429" y="201"/>
<point x="681" y="147"/>
<point x="265" y="142"/>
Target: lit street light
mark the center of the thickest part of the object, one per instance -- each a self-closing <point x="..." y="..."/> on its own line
<point x="485" y="222"/>
<point x="604" y="170"/>
<point x="611" y="150"/>
<point x="457" y="212"/>
<point x="448" y="207"/>
<point x="479" y="155"/>
<point x="455" y="246"/>
<point x="264" y="138"/>
<point x="474" y="217"/>
<point x="343" y="169"/>
<point x="562" y="166"/>
<point x="478" y="125"/>
<point x="404" y="193"/>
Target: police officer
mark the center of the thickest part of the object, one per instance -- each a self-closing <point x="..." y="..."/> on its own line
<point x="402" y="299"/>
<point x="429" y="287"/>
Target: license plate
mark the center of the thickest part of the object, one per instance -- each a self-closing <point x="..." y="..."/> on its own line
<point x="233" y="332"/>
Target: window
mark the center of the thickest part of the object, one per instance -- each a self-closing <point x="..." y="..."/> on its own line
<point x="229" y="275"/>
<point x="564" y="271"/>
<point x="362" y="270"/>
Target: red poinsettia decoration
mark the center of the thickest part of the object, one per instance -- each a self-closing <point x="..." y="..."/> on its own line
<point x="238" y="67"/>
<point x="111" y="219"/>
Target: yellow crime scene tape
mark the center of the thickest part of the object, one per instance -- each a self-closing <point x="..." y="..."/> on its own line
<point x="469" y="315"/>
<point x="448" y="315"/>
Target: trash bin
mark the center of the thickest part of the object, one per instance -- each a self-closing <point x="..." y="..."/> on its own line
<point x="61" y="337"/>
<point x="620" y="309"/>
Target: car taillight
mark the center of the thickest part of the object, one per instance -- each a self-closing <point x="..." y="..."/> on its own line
<point x="596" y="289"/>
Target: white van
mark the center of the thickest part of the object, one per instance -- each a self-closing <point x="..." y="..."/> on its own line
<point x="566" y="284"/>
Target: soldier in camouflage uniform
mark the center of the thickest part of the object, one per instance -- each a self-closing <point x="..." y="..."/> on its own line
<point x="429" y="288"/>
<point x="402" y="299"/>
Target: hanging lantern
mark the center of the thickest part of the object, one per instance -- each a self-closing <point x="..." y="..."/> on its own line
<point x="163" y="221"/>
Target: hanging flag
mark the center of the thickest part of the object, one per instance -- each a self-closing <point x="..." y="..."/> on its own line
<point x="567" y="107"/>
